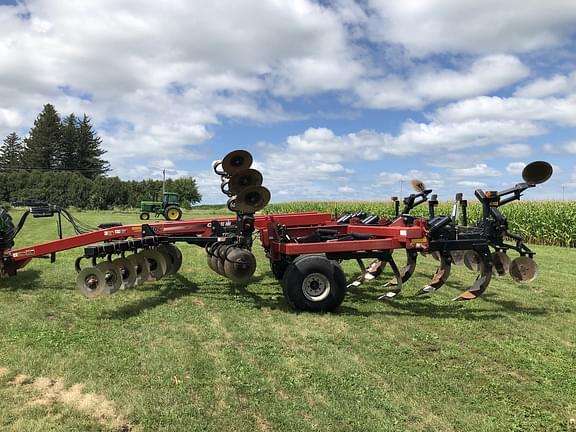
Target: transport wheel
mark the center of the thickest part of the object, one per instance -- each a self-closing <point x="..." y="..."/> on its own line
<point x="239" y="264"/>
<point x="112" y="275"/>
<point x="91" y="282"/>
<point x="278" y="268"/>
<point x="314" y="283"/>
<point x="127" y="273"/>
<point x="173" y="213"/>
<point x="523" y="269"/>
<point x="144" y="216"/>
<point x="140" y="267"/>
<point x="156" y="262"/>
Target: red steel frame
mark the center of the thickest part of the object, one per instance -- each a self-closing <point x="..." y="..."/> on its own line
<point x="382" y="237"/>
<point x="199" y="227"/>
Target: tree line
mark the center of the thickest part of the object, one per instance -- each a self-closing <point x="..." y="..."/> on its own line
<point x="60" y="161"/>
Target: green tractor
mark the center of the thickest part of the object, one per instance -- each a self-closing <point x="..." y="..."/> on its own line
<point x="169" y="207"/>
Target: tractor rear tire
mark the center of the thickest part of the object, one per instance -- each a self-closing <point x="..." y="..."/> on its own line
<point x="314" y="283"/>
<point x="144" y="216"/>
<point x="173" y="213"/>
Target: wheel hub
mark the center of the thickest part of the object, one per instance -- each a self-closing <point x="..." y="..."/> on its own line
<point x="316" y="287"/>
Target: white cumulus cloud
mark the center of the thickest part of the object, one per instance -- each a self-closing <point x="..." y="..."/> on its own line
<point x="478" y="170"/>
<point x="425" y="27"/>
<point x="425" y="85"/>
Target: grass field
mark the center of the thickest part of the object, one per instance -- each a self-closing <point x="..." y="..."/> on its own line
<point x="196" y="352"/>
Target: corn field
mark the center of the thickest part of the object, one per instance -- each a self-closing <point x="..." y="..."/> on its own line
<point x="540" y="222"/>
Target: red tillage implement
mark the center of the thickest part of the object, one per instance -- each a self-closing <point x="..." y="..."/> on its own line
<point x="304" y="249"/>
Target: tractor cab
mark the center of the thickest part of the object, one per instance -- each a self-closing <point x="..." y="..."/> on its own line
<point x="171" y="198"/>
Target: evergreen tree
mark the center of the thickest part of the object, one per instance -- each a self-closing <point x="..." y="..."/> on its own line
<point x="68" y="157"/>
<point x="90" y="150"/>
<point x="42" y="145"/>
<point x="11" y="152"/>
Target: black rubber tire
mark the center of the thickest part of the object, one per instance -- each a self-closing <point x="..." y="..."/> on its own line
<point x="177" y="210"/>
<point x="278" y="268"/>
<point x="308" y="265"/>
<point x="144" y="216"/>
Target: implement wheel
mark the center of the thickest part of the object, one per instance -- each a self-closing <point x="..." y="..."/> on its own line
<point x="279" y="267"/>
<point x="144" y="216"/>
<point x="314" y="283"/>
<point x="173" y="213"/>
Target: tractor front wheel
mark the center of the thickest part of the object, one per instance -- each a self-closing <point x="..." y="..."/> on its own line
<point x="144" y="216"/>
<point x="173" y="213"/>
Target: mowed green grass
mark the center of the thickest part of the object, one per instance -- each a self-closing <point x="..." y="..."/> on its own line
<point x="196" y="352"/>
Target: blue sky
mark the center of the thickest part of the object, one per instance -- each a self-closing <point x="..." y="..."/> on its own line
<point x="336" y="99"/>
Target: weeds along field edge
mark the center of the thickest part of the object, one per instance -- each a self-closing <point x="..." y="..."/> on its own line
<point x="540" y="222"/>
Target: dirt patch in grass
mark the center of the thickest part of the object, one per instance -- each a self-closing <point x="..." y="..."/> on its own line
<point x="49" y="392"/>
<point x="3" y="371"/>
<point x="20" y="380"/>
<point x="262" y="423"/>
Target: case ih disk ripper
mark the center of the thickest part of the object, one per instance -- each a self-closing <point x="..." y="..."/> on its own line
<point x="304" y="249"/>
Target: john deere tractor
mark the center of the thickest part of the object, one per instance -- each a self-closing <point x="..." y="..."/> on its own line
<point x="169" y="207"/>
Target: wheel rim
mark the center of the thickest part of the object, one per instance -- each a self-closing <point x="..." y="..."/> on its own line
<point x="316" y="287"/>
<point x="172" y="214"/>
